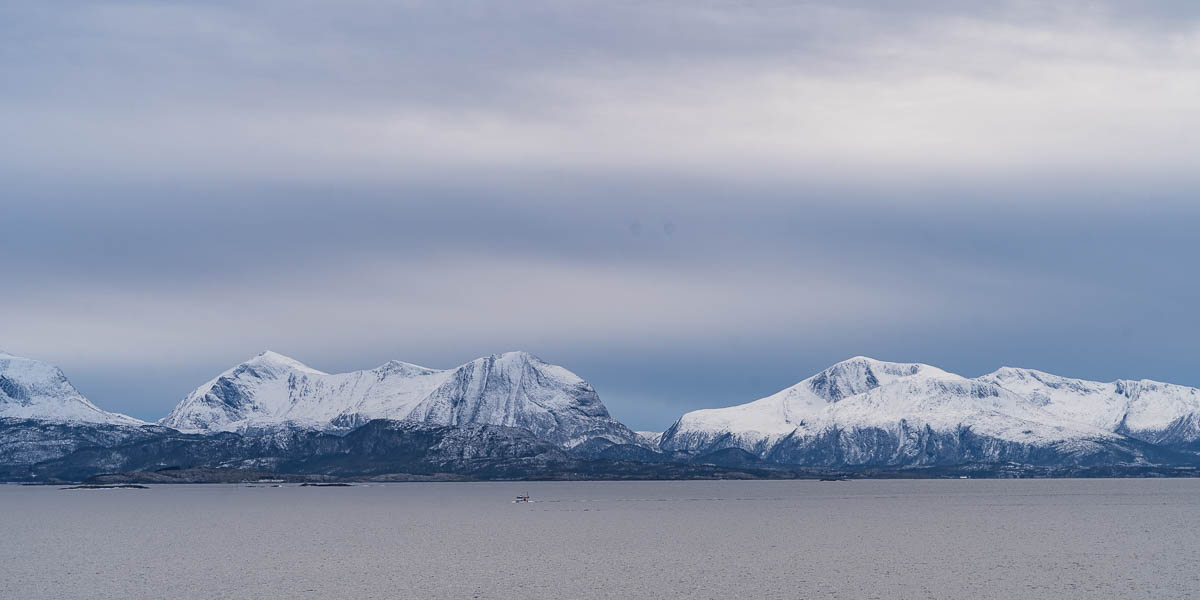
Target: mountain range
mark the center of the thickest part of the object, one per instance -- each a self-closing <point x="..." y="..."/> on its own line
<point x="513" y="415"/>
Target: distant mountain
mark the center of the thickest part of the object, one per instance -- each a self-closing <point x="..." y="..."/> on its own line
<point x="869" y="412"/>
<point x="1159" y="413"/>
<point x="43" y="417"/>
<point x="506" y="415"/>
<point x="516" y="389"/>
<point x="515" y="416"/>
<point x="32" y="389"/>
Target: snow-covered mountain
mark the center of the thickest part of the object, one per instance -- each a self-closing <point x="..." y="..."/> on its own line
<point x="35" y="390"/>
<point x="1154" y="412"/>
<point x="864" y="411"/>
<point x="43" y="417"/>
<point x="515" y="389"/>
<point x="512" y="415"/>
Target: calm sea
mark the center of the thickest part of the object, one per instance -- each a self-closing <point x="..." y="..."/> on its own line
<point x="709" y="539"/>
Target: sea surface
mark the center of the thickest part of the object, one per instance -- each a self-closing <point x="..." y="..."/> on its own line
<point x="1134" y="538"/>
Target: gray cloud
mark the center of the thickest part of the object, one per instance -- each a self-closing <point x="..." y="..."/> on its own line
<point x="690" y="205"/>
<point x="383" y="91"/>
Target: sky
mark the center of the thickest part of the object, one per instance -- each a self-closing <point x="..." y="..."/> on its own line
<point x="689" y="204"/>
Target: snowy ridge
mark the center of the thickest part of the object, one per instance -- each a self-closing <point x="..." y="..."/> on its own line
<point x="862" y="406"/>
<point x="1159" y="413"/>
<point x="515" y="389"/>
<point x="273" y="390"/>
<point x="32" y="389"/>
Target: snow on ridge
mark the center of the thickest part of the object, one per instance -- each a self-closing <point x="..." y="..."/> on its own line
<point x="1131" y="405"/>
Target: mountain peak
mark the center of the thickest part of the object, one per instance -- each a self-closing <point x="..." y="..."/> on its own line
<point x="30" y="371"/>
<point x="516" y="356"/>
<point x="16" y="357"/>
<point x="509" y="362"/>
<point x="272" y="356"/>
<point x="859" y="359"/>
<point x="860" y="374"/>
<point x="1020" y="372"/>
<point x="405" y="368"/>
<point x="273" y="359"/>
<point x="867" y="361"/>
<point x="1038" y="382"/>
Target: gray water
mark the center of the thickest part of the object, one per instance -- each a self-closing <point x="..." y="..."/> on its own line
<point x="709" y="539"/>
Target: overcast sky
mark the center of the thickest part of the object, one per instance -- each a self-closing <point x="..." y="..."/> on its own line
<point x="689" y="204"/>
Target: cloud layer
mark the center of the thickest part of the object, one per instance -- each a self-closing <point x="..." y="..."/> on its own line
<point x="688" y="204"/>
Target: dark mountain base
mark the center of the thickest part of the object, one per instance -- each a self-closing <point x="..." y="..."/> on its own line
<point x="905" y="447"/>
<point x="607" y="472"/>
<point x="395" y="451"/>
